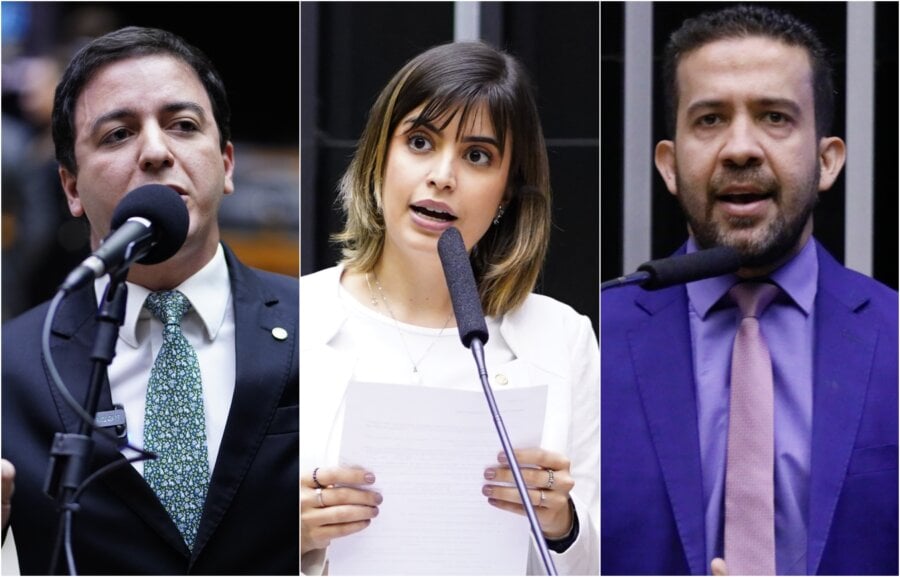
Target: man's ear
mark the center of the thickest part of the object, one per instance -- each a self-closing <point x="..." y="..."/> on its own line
<point x="832" y="154"/>
<point x="228" y="160"/>
<point x="664" y="157"/>
<point x="69" y="182"/>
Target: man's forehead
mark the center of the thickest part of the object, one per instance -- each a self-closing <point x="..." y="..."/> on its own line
<point x="757" y="65"/>
<point x="743" y="54"/>
<point x="121" y="79"/>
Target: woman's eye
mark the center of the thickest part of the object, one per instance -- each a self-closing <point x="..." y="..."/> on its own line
<point x="419" y="143"/>
<point x="479" y="157"/>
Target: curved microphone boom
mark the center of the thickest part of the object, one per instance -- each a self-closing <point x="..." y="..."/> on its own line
<point x="684" y="268"/>
<point x="149" y="226"/>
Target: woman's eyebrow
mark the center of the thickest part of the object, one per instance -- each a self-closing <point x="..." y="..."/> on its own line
<point x="418" y="121"/>
<point x="485" y="139"/>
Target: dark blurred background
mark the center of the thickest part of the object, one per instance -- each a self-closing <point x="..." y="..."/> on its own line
<point x="349" y="52"/>
<point x="668" y="229"/>
<point x="245" y="40"/>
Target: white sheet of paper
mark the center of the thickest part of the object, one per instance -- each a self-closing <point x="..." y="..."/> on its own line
<point x="428" y="448"/>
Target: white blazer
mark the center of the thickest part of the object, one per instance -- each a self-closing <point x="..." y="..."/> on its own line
<point x="552" y="345"/>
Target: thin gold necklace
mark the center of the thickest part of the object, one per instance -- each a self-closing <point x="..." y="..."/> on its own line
<point x="415" y="363"/>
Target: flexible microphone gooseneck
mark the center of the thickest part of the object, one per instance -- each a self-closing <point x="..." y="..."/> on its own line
<point x="473" y="333"/>
<point x="685" y="268"/>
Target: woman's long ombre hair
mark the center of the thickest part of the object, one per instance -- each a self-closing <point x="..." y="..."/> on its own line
<point x="452" y="79"/>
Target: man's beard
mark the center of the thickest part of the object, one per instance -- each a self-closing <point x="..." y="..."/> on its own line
<point x="777" y="237"/>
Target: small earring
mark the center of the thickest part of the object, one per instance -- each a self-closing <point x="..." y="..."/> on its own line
<point x="500" y="211"/>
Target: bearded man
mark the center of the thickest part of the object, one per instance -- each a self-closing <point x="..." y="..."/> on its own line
<point x="749" y="421"/>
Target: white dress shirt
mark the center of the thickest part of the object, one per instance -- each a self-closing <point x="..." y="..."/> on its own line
<point x="543" y="342"/>
<point x="208" y="326"/>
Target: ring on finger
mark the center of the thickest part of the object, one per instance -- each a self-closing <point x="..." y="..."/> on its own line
<point x="550" y="480"/>
<point x="541" y="503"/>
<point x="319" y="497"/>
<point x="316" y="479"/>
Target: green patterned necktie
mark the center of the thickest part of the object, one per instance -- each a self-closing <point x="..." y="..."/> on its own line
<point x="174" y="426"/>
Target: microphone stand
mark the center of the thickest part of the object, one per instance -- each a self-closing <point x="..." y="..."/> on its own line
<point x="478" y="352"/>
<point x="70" y="453"/>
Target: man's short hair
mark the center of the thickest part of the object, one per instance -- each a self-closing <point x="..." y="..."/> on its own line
<point x="747" y="21"/>
<point x="126" y="43"/>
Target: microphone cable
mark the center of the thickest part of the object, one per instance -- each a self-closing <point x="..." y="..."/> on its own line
<point x="64" y="392"/>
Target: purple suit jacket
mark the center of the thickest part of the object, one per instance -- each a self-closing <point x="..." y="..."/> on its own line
<point x="651" y="484"/>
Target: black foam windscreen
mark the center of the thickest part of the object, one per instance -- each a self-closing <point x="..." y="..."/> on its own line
<point x="463" y="291"/>
<point x="165" y="210"/>
<point x="691" y="267"/>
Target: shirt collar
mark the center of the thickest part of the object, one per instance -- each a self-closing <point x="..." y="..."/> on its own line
<point x="798" y="278"/>
<point x="208" y="290"/>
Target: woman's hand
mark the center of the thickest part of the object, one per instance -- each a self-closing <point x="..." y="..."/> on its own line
<point x="548" y="485"/>
<point x="329" y="509"/>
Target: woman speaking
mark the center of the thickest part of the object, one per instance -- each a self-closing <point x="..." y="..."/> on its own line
<point x="454" y="139"/>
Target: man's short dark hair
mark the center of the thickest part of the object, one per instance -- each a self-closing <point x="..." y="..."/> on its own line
<point x="126" y="43"/>
<point x="747" y="21"/>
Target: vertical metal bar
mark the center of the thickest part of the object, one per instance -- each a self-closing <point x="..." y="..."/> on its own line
<point x="638" y="129"/>
<point x="466" y="21"/>
<point x="859" y="204"/>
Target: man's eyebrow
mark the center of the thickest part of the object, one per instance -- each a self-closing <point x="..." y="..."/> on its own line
<point x="117" y="114"/>
<point x="417" y="121"/>
<point x="764" y="102"/>
<point x="791" y="105"/>
<point x="185" y="105"/>
<point x="170" y="108"/>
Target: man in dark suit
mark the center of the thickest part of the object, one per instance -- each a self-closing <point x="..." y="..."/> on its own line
<point x="141" y="106"/>
<point x="750" y="104"/>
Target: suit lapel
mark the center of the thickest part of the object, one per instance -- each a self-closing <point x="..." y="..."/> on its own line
<point x="844" y="351"/>
<point x="73" y="335"/>
<point x="262" y="364"/>
<point x="666" y="385"/>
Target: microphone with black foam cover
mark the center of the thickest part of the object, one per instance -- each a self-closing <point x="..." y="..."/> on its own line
<point x="680" y="269"/>
<point x="691" y="267"/>
<point x="463" y="291"/>
<point x="149" y="226"/>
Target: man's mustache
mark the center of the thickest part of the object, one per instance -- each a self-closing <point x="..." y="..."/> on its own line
<point x="744" y="178"/>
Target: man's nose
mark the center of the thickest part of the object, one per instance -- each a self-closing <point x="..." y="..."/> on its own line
<point x="742" y="146"/>
<point x="155" y="150"/>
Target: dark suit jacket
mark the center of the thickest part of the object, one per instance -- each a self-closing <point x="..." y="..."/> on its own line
<point x="250" y="522"/>
<point x="652" y="516"/>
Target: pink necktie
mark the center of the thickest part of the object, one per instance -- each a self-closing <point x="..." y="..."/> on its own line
<point x="749" y="473"/>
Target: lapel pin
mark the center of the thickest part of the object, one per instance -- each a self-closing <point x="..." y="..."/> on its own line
<point x="279" y="333"/>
